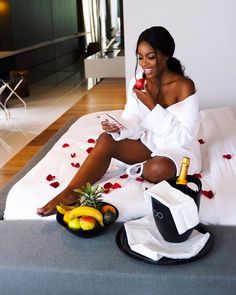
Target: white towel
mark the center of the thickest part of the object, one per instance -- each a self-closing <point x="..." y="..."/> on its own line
<point x="144" y="238"/>
<point x="182" y="207"/>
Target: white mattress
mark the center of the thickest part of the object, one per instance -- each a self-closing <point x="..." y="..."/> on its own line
<point x="218" y="175"/>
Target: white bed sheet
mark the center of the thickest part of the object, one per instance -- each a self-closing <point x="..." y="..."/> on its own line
<point x="218" y="175"/>
<point x="219" y="127"/>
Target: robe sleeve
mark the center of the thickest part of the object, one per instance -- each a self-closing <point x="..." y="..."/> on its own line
<point x="130" y="118"/>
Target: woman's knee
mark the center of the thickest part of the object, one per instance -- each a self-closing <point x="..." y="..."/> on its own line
<point x="106" y="143"/>
<point x="158" y="169"/>
<point x="105" y="138"/>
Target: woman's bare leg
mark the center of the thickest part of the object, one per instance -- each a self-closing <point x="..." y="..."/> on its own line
<point x="96" y="165"/>
<point x="158" y="169"/>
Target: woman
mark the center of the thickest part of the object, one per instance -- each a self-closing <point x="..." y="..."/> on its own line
<point x="161" y="122"/>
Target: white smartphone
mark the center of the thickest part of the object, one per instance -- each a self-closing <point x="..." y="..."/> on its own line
<point x="111" y="119"/>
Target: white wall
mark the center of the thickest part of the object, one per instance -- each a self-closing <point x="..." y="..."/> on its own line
<point x="205" y="36"/>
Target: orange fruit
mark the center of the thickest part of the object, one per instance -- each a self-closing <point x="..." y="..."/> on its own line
<point x="108" y="207"/>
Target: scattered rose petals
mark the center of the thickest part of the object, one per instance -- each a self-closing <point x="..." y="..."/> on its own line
<point x="55" y="184"/>
<point x="227" y="156"/>
<point x="76" y="165"/>
<point x="208" y="194"/>
<point x="91" y="140"/>
<point x="116" y="185"/>
<point x="139" y="179"/>
<point x="198" y="175"/>
<point x="201" y="141"/>
<point x="108" y="185"/>
<point x="124" y="176"/>
<point x="65" y="145"/>
<point x="73" y="155"/>
<point x="89" y="150"/>
<point x="50" y="177"/>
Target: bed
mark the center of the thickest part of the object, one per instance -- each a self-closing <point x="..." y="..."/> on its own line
<point x="63" y="155"/>
<point x="56" y="255"/>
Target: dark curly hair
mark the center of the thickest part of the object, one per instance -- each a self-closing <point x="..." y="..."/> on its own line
<point x="160" y="39"/>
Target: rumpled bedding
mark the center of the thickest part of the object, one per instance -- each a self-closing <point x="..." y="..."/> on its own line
<point x="53" y="173"/>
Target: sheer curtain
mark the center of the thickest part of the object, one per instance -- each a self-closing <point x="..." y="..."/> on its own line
<point x="92" y="20"/>
<point x="102" y="20"/>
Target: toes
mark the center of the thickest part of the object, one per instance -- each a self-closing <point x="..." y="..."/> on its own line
<point x="40" y="211"/>
<point x="46" y="211"/>
<point x="43" y="211"/>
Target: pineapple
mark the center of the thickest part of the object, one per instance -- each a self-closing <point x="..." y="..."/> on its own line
<point x="90" y="195"/>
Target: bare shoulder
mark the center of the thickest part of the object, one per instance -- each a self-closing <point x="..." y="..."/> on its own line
<point x="186" y="87"/>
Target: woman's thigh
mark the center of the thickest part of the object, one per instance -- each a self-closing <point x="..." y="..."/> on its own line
<point x="128" y="151"/>
<point x="132" y="151"/>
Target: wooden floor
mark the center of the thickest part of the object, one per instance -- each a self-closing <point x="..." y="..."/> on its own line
<point x="109" y="94"/>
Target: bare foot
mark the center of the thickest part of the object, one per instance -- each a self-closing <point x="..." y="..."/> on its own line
<point x="65" y="197"/>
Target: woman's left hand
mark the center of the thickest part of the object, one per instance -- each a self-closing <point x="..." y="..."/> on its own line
<point x="145" y="97"/>
<point x="110" y="127"/>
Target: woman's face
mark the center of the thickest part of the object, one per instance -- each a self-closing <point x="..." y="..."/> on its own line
<point x="152" y="62"/>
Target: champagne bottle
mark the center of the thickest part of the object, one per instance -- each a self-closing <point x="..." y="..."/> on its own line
<point x="182" y="178"/>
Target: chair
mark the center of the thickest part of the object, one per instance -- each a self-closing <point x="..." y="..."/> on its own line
<point x="5" y="145"/>
<point x="12" y="90"/>
<point x="7" y="113"/>
<point x="2" y="106"/>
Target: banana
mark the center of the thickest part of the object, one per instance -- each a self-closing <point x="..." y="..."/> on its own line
<point x="66" y="217"/>
<point x="62" y="208"/>
<point x="86" y="211"/>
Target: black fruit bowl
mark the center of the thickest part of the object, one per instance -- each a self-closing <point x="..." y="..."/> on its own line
<point x="98" y="230"/>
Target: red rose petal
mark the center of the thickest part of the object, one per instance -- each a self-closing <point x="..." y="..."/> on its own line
<point x="139" y="179"/>
<point x="76" y="165"/>
<point x="106" y="191"/>
<point x="116" y="185"/>
<point x="91" y="140"/>
<point x="73" y="155"/>
<point x="89" y="150"/>
<point x="50" y="177"/>
<point x="201" y="141"/>
<point x="227" y="156"/>
<point x="55" y="184"/>
<point x="124" y="176"/>
<point x="208" y="194"/>
<point x="108" y="185"/>
<point x="198" y="175"/>
<point x="65" y="145"/>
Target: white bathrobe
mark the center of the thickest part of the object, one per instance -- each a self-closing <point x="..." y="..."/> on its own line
<point x="170" y="132"/>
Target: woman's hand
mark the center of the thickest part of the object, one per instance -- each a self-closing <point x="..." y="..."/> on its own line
<point x="110" y="127"/>
<point x="147" y="96"/>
